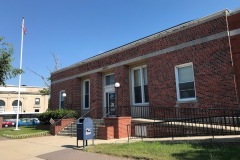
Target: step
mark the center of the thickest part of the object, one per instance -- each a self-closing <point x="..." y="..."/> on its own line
<point x="71" y="129"/>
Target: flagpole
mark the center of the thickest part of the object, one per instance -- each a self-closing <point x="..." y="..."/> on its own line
<point x="20" y="77"/>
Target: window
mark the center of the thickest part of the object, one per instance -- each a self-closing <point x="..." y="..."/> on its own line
<point x="15" y="106"/>
<point x="185" y="82"/>
<point x="37" y="101"/>
<point x="140" y="85"/>
<point x="2" y="106"/>
<point x="109" y="80"/>
<point x="86" y="94"/>
<point x="62" y="96"/>
<point x="36" y="110"/>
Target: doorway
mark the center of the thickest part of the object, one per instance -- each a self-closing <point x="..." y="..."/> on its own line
<point x="110" y="103"/>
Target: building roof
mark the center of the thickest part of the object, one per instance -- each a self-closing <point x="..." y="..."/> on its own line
<point x="162" y="33"/>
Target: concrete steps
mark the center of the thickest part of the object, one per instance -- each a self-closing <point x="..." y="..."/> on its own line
<point x="71" y="129"/>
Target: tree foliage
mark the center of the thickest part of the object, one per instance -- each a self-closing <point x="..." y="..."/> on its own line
<point x="7" y="71"/>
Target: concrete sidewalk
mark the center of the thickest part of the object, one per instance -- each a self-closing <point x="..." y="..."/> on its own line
<point x="50" y="148"/>
<point x="62" y="147"/>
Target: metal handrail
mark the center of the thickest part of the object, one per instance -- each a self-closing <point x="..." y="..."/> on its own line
<point x="87" y="112"/>
<point x="60" y="119"/>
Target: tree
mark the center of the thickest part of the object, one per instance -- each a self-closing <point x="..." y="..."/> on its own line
<point x="7" y="71"/>
<point x="46" y="91"/>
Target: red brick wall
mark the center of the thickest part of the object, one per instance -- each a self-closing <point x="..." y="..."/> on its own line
<point x="73" y="91"/>
<point x="213" y="70"/>
<point x="208" y="28"/>
<point x="234" y="23"/>
<point x="96" y="93"/>
<point x="213" y="73"/>
<point x="119" y="124"/>
<point x="105" y="132"/>
<point x="122" y="76"/>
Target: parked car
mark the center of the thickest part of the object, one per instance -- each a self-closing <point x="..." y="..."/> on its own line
<point x="14" y="122"/>
<point x="7" y="124"/>
<point x="29" y="122"/>
<point x="35" y="121"/>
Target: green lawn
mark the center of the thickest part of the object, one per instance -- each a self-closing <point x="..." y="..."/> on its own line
<point x="158" y="151"/>
<point x="23" y="132"/>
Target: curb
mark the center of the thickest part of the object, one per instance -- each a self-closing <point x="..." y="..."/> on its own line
<point x="46" y="133"/>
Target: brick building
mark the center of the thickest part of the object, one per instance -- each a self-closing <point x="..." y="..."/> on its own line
<point x="194" y="64"/>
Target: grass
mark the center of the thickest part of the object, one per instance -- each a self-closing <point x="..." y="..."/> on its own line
<point x="25" y="131"/>
<point x="158" y="151"/>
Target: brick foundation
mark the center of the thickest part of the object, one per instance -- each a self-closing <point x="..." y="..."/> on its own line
<point x="106" y="132"/>
<point x="119" y="124"/>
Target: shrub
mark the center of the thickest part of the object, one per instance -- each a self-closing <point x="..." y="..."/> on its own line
<point x="56" y="114"/>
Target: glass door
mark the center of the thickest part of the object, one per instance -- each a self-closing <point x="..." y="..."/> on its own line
<point x="110" y="103"/>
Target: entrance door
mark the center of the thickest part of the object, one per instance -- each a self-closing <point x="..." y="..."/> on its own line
<point x="110" y="103"/>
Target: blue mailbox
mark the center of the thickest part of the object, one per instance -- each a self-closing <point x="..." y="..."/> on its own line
<point x="85" y="130"/>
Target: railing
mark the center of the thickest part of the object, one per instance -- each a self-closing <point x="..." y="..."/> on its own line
<point x="198" y="122"/>
<point x="152" y="112"/>
<point x="52" y="122"/>
<point x="88" y="113"/>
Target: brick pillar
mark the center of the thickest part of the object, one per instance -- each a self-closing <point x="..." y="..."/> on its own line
<point x="76" y="102"/>
<point x="119" y="124"/>
<point x="96" y="93"/>
<point x="123" y="94"/>
<point x="1" y="120"/>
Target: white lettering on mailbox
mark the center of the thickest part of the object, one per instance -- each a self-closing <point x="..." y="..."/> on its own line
<point x="88" y="131"/>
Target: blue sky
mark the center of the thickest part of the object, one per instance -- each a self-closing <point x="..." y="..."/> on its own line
<point x="78" y="29"/>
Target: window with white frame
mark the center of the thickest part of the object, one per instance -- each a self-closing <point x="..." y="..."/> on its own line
<point x="2" y="106"/>
<point x="185" y="82"/>
<point x="15" y="106"/>
<point x="140" y="85"/>
<point x="86" y="94"/>
<point x="109" y="80"/>
<point x="62" y="96"/>
<point x="37" y="101"/>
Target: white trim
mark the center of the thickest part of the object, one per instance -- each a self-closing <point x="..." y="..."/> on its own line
<point x="177" y="82"/>
<point x="83" y="94"/>
<point x="107" y="89"/>
<point x="142" y="85"/>
<point x="235" y="32"/>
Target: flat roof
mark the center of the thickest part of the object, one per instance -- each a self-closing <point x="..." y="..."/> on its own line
<point x="162" y="33"/>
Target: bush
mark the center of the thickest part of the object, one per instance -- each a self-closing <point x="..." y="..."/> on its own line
<point x="56" y="114"/>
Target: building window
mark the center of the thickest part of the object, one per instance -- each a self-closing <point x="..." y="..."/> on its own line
<point x="140" y="85"/>
<point x="15" y="106"/>
<point x="185" y="82"/>
<point x="109" y="80"/>
<point x="86" y="94"/>
<point x="37" y="101"/>
<point x="36" y="110"/>
<point x="62" y="96"/>
<point x="2" y="106"/>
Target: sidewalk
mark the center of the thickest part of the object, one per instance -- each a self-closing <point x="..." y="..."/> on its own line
<point x="50" y="148"/>
<point x="64" y="148"/>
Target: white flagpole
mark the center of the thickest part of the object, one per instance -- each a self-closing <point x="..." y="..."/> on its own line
<point x="20" y="77"/>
